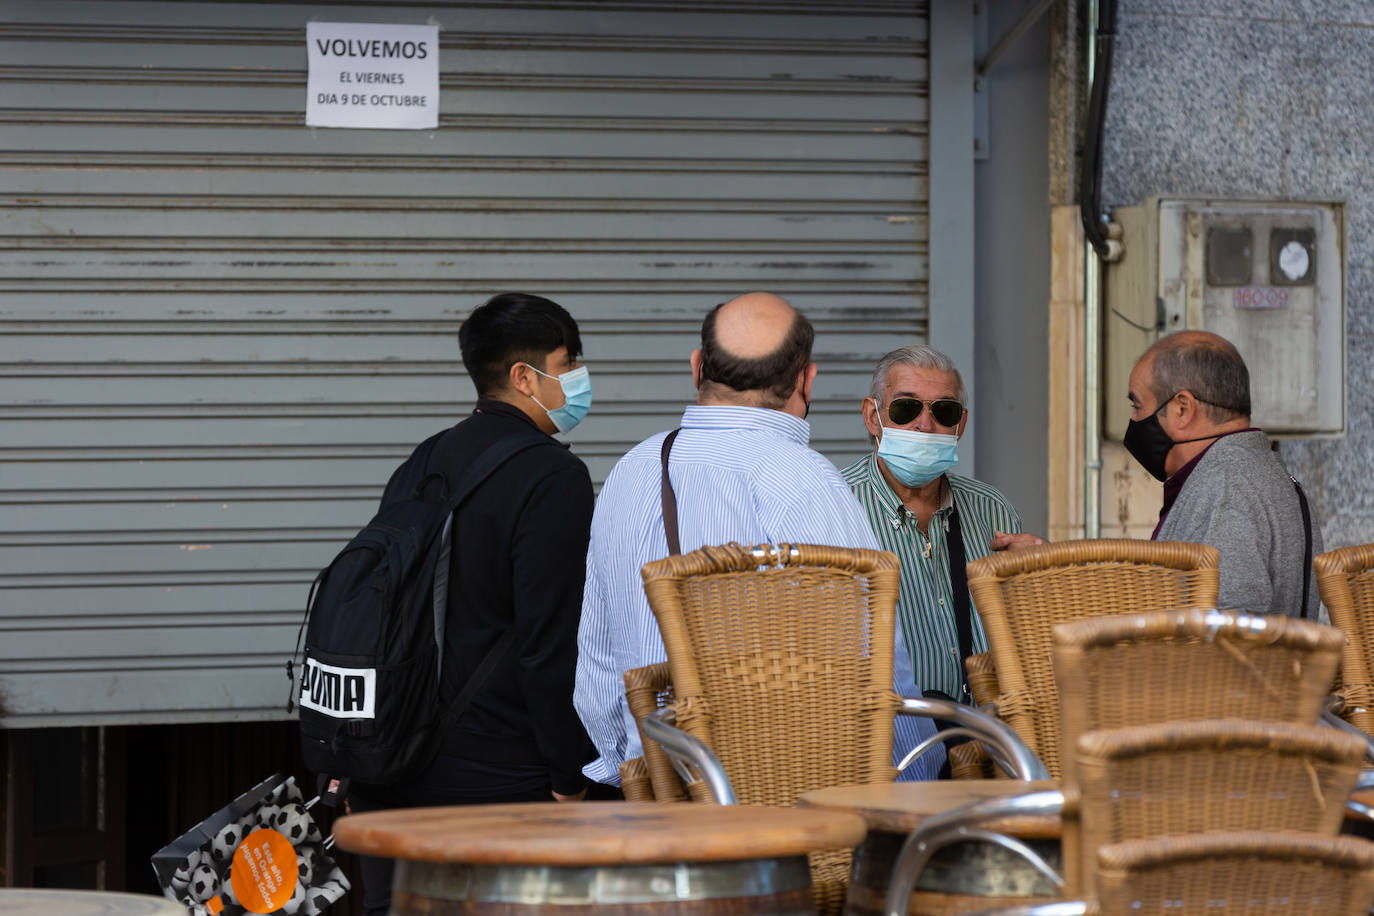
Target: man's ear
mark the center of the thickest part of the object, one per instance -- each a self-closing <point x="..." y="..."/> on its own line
<point x="696" y="367"/>
<point x="807" y="378"/>
<point x="1188" y="407"/>
<point x="521" y="378"/>
<point x="868" y="408"/>
<point x="963" y="421"/>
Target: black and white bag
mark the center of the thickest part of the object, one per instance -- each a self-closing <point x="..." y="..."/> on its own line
<point x="374" y="632"/>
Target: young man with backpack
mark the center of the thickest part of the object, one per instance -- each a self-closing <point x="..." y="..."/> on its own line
<point x="518" y="547"/>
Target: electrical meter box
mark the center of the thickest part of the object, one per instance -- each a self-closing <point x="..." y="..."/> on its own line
<point x="1269" y="276"/>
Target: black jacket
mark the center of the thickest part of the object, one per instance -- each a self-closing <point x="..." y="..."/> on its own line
<point x="518" y="560"/>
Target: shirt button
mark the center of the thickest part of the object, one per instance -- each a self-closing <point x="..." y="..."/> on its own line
<point x="942" y="601"/>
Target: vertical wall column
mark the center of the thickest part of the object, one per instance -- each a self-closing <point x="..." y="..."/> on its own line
<point x="951" y="195"/>
<point x="1065" y="483"/>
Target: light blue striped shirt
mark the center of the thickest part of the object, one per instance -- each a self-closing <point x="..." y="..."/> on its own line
<point x="741" y="474"/>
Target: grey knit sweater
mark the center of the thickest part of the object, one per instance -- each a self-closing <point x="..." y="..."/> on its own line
<point x="1240" y="500"/>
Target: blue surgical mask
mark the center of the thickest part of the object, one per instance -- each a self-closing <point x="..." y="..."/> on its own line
<point x="916" y="458"/>
<point x="577" y="398"/>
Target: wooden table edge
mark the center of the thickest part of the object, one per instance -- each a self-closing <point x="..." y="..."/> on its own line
<point x="586" y="834"/>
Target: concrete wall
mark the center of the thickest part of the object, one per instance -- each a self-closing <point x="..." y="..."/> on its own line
<point x="1263" y="98"/>
<point x="1012" y="264"/>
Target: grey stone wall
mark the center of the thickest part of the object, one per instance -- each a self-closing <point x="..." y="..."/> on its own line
<point x="1263" y="98"/>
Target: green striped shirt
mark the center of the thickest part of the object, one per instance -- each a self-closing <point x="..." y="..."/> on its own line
<point x="925" y="604"/>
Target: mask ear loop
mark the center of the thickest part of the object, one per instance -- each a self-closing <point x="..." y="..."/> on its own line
<point x="546" y="375"/>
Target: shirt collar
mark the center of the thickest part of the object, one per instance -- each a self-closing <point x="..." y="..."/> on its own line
<point x="502" y="409"/>
<point x="495" y="408"/>
<point x="728" y="416"/>
<point x="893" y="509"/>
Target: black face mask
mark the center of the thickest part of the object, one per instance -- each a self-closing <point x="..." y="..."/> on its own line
<point x="1149" y="444"/>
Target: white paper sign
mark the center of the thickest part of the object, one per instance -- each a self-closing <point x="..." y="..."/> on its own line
<point x="367" y="75"/>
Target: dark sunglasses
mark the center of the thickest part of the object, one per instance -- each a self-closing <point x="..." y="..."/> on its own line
<point x="946" y="411"/>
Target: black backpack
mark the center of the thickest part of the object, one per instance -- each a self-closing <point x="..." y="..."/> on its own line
<point x="374" y="625"/>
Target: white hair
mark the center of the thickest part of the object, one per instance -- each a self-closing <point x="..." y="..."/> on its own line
<point x="921" y="356"/>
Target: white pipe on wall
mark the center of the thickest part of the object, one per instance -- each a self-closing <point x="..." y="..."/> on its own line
<point x="1092" y="350"/>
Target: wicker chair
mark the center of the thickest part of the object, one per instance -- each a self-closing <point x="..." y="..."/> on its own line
<point x="1345" y="579"/>
<point x="1290" y="874"/>
<point x="1181" y="665"/>
<point x="784" y="671"/>
<point x="1210" y="775"/>
<point x="1193" y="663"/>
<point x="781" y="660"/>
<point x="1153" y="668"/>
<point x="651" y="777"/>
<point x="1022" y="594"/>
<point x="1250" y="873"/>
<point x="1174" y="780"/>
<point x="1167" y="780"/>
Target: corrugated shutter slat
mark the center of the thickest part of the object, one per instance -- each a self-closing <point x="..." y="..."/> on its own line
<point x="220" y="330"/>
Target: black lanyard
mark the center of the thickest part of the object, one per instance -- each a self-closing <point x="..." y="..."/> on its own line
<point x="958" y="583"/>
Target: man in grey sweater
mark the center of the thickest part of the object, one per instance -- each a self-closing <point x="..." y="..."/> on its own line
<point x="1223" y="483"/>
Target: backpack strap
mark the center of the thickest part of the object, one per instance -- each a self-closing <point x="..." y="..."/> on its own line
<point x="482" y="467"/>
<point x="478" y="678"/>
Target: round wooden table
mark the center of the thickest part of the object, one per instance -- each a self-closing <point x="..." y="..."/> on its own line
<point x="600" y="857"/>
<point x="961" y="877"/>
<point x="23" y="901"/>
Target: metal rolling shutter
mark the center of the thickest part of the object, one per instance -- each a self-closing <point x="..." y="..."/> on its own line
<point x="222" y="329"/>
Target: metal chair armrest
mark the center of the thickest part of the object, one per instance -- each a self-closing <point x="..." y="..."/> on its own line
<point x="1329" y="717"/>
<point x="688" y="753"/>
<point x="1011" y="752"/>
<point x="1360" y="808"/>
<point x="1057" y="908"/>
<point x="935" y="740"/>
<point x="951" y="826"/>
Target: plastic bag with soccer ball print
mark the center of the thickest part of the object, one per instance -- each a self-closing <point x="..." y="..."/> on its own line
<point x="262" y="853"/>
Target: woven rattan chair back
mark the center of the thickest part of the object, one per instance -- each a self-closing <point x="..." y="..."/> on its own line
<point x="1258" y="874"/>
<point x="783" y="666"/>
<point x="1345" y="579"/>
<point x="1022" y="594"/>
<point x="1211" y="775"/>
<point x="1192" y="663"/>
<point x="651" y="777"/>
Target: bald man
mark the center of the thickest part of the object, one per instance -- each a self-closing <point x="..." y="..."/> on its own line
<point x="742" y="471"/>
<point x="1224" y="485"/>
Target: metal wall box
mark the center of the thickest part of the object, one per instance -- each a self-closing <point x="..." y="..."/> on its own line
<point x="1267" y="275"/>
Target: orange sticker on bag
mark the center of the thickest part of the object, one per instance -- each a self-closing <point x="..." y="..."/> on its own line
<point x="264" y="871"/>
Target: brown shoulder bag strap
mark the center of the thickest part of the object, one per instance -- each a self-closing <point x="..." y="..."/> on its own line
<point x="669" y="498"/>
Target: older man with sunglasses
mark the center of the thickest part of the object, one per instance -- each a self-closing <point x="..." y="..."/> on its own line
<point x="933" y="520"/>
